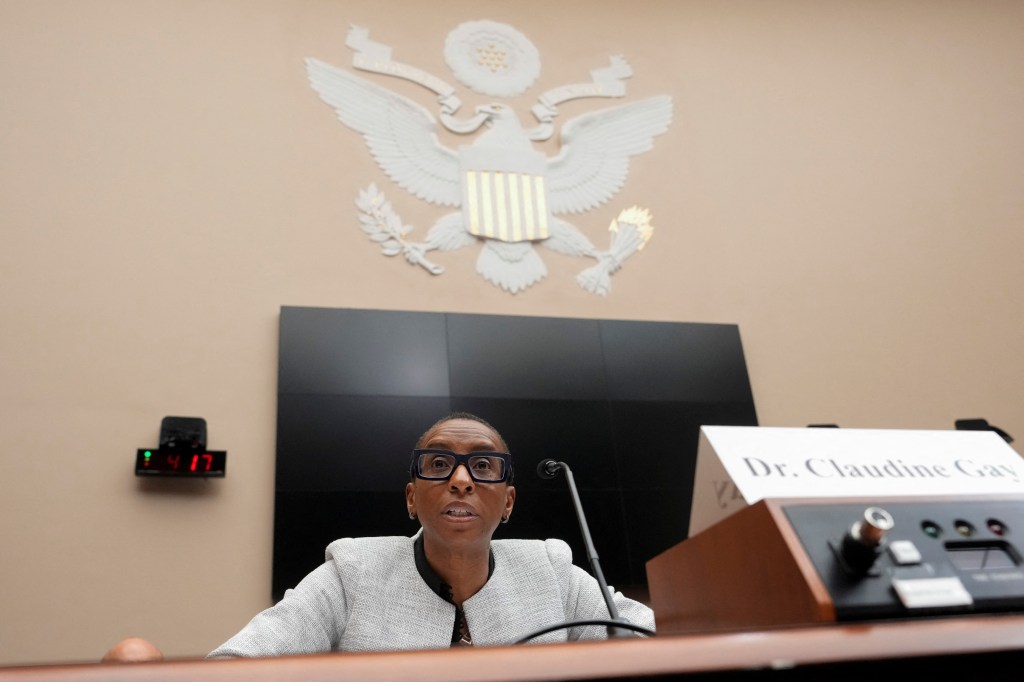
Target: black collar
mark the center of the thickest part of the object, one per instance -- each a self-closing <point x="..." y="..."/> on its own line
<point x="432" y="579"/>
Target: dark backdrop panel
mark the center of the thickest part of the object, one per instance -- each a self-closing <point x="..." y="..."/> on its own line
<point x="572" y="431"/>
<point x="525" y="357"/>
<point x="621" y="402"/>
<point x="362" y="352"/>
<point x="652" y="524"/>
<point x="672" y="361"/>
<point x="331" y="442"/>
<point x="655" y="442"/>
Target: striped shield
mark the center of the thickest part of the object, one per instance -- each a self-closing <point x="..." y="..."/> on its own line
<point x="503" y="194"/>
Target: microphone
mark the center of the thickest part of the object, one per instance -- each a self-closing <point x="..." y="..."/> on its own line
<point x="548" y="469"/>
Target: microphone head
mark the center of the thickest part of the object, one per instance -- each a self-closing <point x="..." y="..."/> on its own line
<point x="548" y="468"/>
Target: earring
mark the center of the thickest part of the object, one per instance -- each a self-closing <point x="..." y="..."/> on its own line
<point x="412" y="516"/>
<point x="504" y="519"/>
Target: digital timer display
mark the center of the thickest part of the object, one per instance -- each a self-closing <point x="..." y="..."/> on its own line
<point x="156" y="462"/>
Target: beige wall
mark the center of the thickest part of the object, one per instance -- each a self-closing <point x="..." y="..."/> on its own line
<point x="842" y="179"/>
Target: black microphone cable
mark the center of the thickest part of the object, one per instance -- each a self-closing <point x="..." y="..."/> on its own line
<point x="610" y="624"/>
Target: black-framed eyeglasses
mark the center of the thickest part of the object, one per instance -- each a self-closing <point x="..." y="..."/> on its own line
<point x="434" y="464"/>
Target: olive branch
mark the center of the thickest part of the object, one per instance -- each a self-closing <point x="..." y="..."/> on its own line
<point x="382" y="225"/>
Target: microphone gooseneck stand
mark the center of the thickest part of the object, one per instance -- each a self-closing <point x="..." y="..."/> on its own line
<point x="617" y="627"/>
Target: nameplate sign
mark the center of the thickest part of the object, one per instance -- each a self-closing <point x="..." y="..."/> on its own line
<point x="740" y="465"/>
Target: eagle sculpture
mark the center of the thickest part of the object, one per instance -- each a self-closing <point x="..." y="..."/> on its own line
<point x="509" y="195"/>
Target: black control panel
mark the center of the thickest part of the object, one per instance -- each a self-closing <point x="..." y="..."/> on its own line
<point x="907" y="558"/>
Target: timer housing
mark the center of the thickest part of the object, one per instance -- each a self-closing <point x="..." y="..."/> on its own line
<point x="182" y="452"/>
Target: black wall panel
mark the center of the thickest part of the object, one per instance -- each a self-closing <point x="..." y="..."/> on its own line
<point x="621" y="402"/>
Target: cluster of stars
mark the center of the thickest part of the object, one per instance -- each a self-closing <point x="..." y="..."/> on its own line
<point x="492" y="57"/>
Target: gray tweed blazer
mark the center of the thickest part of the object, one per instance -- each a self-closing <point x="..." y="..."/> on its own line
<point x="368" y="596"/>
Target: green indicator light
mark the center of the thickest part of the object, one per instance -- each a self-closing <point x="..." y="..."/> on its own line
<point x="148" y="454"/>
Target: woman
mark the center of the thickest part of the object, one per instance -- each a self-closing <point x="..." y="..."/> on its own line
<point x="448" y="585"/>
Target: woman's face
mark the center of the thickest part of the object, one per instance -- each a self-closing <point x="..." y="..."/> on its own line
<point x="459" y="513"/>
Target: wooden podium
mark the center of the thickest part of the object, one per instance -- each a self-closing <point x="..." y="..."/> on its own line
<point x="747" y="571"/>
<point x="779" y="563"/>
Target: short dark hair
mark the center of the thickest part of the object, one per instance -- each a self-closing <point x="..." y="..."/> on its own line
<point x="462" y="415"/>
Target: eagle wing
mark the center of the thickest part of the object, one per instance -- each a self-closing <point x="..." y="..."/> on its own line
<point x="401" y="134"/>
<point x="594" y="158"/>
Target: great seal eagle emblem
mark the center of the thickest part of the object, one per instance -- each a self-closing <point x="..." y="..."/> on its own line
<point x="509" y="196"/>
